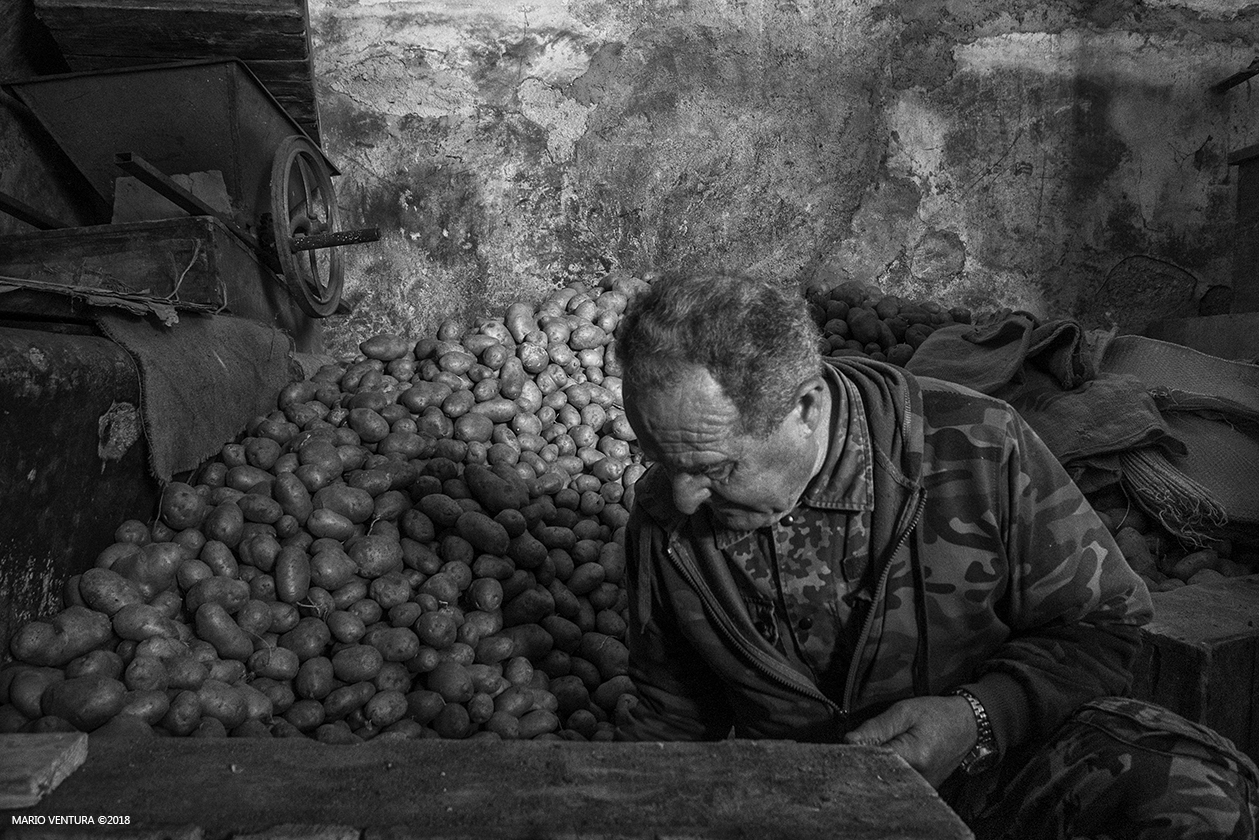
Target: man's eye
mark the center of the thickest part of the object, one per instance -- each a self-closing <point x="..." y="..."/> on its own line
<point x="719" y="473"/>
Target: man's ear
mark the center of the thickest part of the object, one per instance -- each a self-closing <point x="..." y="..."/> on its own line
<point x="813" y="402"/>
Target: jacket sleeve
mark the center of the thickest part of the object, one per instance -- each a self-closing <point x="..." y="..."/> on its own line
<point x="1073" y="604"/>
<point x="679" y="697"/>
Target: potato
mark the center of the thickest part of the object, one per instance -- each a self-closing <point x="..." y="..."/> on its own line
<point x="106" y="591"/>
<point x="529" y="606"/>
<point x="394" y="590"/>
<point x="356" y="663"/>
<point x="67" y="635"/>
<point x="152" y="568"/>
<point x="259" y="508"/>
<point x="538" y="722"/>
<point x="220" y="558"/>
<point x="222" y="702"/>
<point x="386" y="347"/>
<point x="452" y="681"/>
<point x="104" y="662"/>
<point x="609" y="655"/>
<point x="26" y="687"/>
<point x="314" y="678"/>
<point x="184" y="713"/>
<point x="86" y="702"/>
<point x="292" y="575"/>
<point x="376" y="555"/>
<point x="149" y="706"/>
<point x="308" y="639"/>
<point x="396" y="644"/>
<point x="346" y="699"/>
<point x="140" y="621"/>
<point x="181" y="506"/>
<point x="305" y="715"/>
<point x="284" y="617"/>
<point x="332" y="569"/>
<point x="217" y="627"/>
<point x="530" y="640"/>
<point x="228" y="593"/>
<point x="275" y="663"/>
<point x="352" y="503"/>
<point x="496" y="488"/>
<point x="224" y="523"/>
<point x="185" y="671"/>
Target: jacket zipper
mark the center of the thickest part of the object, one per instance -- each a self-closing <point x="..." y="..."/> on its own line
<point x="766" y="665"/>
<point x="851" y="682"/>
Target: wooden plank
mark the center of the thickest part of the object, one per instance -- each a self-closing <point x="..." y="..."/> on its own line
<point x="32" y="765"/>
<point x="146" y="6"/>
<point x="1200" y="657"/>
<point x="271" y="36"/>
<point x="173" y="259"/>
<point x="402" y="789"/>
<point x="191" y="34"/>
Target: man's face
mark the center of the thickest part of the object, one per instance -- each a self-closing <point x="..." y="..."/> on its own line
<point x="691" y="429"/>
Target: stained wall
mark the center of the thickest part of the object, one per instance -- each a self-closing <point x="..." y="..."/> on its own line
<point x="1020" y="153"/>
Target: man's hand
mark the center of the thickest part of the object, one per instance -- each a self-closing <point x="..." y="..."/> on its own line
<point x="932" y="734"/>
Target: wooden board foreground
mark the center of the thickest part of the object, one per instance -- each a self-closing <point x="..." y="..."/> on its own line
<point x="241" y="787"/>
<point x="33" y="765"/>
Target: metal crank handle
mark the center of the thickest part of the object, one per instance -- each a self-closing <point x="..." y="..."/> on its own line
<point x="332" y="240"/>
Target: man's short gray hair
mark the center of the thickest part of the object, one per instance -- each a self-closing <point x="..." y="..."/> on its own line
<point x="755" y="338"/>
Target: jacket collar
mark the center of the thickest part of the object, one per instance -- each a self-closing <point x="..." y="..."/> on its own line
<point x="846" y="479"/>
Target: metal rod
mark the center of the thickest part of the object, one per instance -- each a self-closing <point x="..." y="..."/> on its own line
<point x="1237" y="78"/>
<point x="26" y="213"/>
<point x="332" y="240"/>
<point x="162" y="183"/>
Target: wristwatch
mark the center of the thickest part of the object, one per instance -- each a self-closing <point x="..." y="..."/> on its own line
<point x="984" y="754"/>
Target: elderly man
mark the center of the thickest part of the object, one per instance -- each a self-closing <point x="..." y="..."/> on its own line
<point x="835" y="550"/>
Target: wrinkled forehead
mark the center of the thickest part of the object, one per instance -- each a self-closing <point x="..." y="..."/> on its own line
<point x="692" y="413"/>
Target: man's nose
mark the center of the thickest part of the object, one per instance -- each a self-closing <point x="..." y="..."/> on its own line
<point x="689" y="492"/>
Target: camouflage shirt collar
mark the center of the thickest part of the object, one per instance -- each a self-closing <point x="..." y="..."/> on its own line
<point x="846" y="478"/>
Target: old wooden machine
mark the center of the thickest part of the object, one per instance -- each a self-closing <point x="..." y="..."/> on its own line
<point x="213" y="206"/>
<point x="199" y="169"/>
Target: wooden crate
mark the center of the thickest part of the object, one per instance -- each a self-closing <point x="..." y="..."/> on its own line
<point x="271" y="36"/>
<point x="1200" y="657"/>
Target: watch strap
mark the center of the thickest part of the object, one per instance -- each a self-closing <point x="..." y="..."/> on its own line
<point x="984" y="753"/>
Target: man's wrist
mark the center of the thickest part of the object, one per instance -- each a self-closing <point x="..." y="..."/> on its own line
<point x="983" y="754"/>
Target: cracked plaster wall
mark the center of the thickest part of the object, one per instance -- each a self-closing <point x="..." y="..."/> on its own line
<point x="978" y="153"/>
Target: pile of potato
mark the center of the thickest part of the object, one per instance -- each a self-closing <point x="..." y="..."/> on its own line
<point x="858" y="320"/>
<point x="425" y="541"/>
<point x="1162" y="559"/>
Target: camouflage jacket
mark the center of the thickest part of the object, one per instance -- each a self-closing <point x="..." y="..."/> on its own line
<point x="988" y="569"/>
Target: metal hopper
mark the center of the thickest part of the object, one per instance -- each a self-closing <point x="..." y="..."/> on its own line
<point x="159" y="121"/>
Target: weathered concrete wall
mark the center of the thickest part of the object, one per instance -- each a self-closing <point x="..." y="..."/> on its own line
<point x="984" y="153"/>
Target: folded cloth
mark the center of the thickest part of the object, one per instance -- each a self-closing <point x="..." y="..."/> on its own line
<point x="201" y="380"/>
<point x="990" y="356"/>
<point x="1049" y="373"/>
